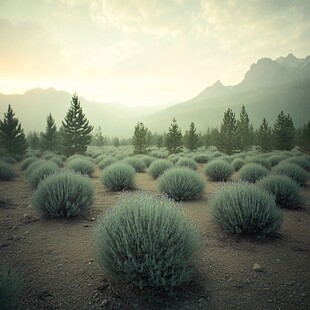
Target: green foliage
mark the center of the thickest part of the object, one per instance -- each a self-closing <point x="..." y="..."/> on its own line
<point x="33" y="140"/>
<point x="136" y="162"/>
<point x="34" y="166"/>
<point x="12" y="137"/>
<point x="108" y="161"/>
<point x="258" y="160"/>
<point x="57" y="160"/>
<point x="173" y="141"/>
<point x="82" y="165"/>
<point x="293" y="171"/>
<point x="243" y="130"/>
<point x="174" y="158"/>
<point x="286" y="191"/>
<point x="284" y="132"/>
<point x="147" y="241"/>
<point x="238" y="163"/>
<point x="302" y="161"/>
<point x="252" y="172"/>
<point x="227" y="141"/>
<point x="139" y="139"/>
<point x="64" y="194"/>
<point x="187" y="162"/>
<point x="303" y="138"/>
<point x="49" y="137"/>
<point x="275" y="159"/>
<point x="147" y="160"/>
<point x="181" y="183"/>
<point x="26" y="162"/>
<point x="118" y="177"/>
<point x="10" y="289"/>
<point x="8" y="159"/>
<point x="75" y="129"/>
<point x="41" y="172"/>
<point x="158" y="167"/>
<point x="244" y="209"/>
<point x="201" y="158"/>
<point x="191" y="138"/>
<point x="265" y="137"/>
<point x="7" y="172"/>
<point x="98" y="139"/>
<point x="219" y="170"/>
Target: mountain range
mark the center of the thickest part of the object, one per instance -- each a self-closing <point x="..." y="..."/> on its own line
<point x="268" y="87"/>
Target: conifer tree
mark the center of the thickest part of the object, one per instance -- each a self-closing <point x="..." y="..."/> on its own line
<point x="173" y="141"/>
<point x="49" y="137"/>
<point x="243" y="130"/>
<point x="12" y="137"/>
<point x="33" y="140"/>
<point x="228" y="133"/>
<point x="265" y="137"/>
<point x="98" y="139"/>
<point x="284" y="132"/>
<point x="116" y="142"/>
<point x="303" y="138"/>
<point x="191" y="138"/>
<point x="140" y="139"/>
<point x="76" y="129"/>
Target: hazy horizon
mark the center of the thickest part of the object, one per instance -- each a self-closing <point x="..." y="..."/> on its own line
<point x="143" y="53"/>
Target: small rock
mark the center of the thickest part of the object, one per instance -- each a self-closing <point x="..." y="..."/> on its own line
<point x="269" y="300"/>
<point x="86" y="225"/>
<point x="257" y="267"/>
<point x="92" y="219"/>
<point x="27" y="232"/>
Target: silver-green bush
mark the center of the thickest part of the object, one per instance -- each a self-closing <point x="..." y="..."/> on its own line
<point x="64" y="194"/>
<point x="244" y="209"/>
<point x="28" y="161"/>
<point x="253" y="172"/>
<point x="238" y="163"/>
<point x="181" y="183"/>
<point x="201" y="158"/>
<point x="158" y="167"/>
<point x="7" y="172"/>
<point x="147" y="241"/>
<point x="259" y="160"/>
<point x="219" y="170"/>
<point x="107" y="161"/>
<point x="187" y="162"/>
<point x="136" y="162"/>
<point x="81" y="165"/>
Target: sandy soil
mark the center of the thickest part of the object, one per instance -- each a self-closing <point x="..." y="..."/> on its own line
<point x="56" y="258"/>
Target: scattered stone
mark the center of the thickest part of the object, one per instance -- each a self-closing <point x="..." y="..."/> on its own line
<point x="86" y="225"/>
<point x="27" y="232"/>
<point x="28" y="218"/>
<point x="92" y="219"/>
<point x="257" y="267"/>
<point x="270" y="300"/>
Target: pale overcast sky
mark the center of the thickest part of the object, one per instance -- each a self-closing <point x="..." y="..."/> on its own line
<point x="143" y="52"/>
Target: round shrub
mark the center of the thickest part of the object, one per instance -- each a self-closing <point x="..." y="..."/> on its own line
<point x="259" y="160"/>
<point x="253" y="172"/>
<point x="244" y="209"/>
<point x="108" y="161"/>
<point x="174" y="158"/>
<point x="201" y="158"/>
<point x="48" y="156"/>
<point x="219" y="170"/>
<point x="8" y="159"/>
<point x="34" y="165"/>
<point x="147" y="160"/>
<point x="301" y="161"/>
<point x="181" y="183"/>
<point x="81" y="165"/>
<point x="64" y="194"/>
<point x="147" y="241"/>
<point x="158" y="167"/>
<point x="75" y="156"/>
<point x="7" y="172"/>
<point x="293" y="171"/>
<point x="275" y="159"/>
<point x="28" y="161"/>
<point x="57" y="160"/>
<point x="187" y="162"/>
<point x="286" y="191"/>
<point x="136" y="162"/>
<point x="118" y="177"/>
<point x="238" y="163"/>
<point x="41" y="172"/>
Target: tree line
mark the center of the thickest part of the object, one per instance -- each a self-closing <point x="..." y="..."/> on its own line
<point x="75" y="134"/>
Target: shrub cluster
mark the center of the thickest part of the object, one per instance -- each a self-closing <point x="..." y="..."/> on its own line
<point x="136" y="162"/>
<point x="259" y="160"/>
<point x="238" y="163"/>
<point x="158" y="167"/>
<point x="28" y="161"/>
<point x="118" y="177"/>
<point x="7" y="172"/>
<point x="187" y="162"/>
<point x="219" y="170"/>
<point x="147" y="241"/>
<point x="107" y="161"/>
<point x="64" y="194"/>
<point x="244" y="209"/>
<point x="286" y="191"/>
<point x="181" y="183"/>
<point x="81" y="165"/>
<point x="201" y="158"/>
<point x="253" y="172"/>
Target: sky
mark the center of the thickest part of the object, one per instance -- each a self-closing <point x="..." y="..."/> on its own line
<point x="143" y="52"/>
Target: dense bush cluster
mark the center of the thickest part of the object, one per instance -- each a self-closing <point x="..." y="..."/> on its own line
<point x="219" y="170"/>
<point x="107" y="161"/>
<point x="28" y="161"/>
<point x="187" y="162"/>
<point x="244" y="209"/>
<point x="238" y="163"/>
<point x="158" y="167"/>
<point x="201" y="158"/>
<point x="7" y="172"/>
<point x="137" y="163"/>
<point x="147" y="241"/>
<point x="252" y="172"/>
<point x="81" y="165"/>
<point x="64" y="194"/>
<point x="181" y="183"/>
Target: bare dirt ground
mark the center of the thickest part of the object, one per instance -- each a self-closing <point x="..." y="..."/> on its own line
<point x="56" y="258"/>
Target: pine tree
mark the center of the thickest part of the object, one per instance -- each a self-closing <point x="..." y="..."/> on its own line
<point x="12" y="137"/>
<point x="49" y="137"/>
<point x="98" y="139"/>
<point x="140" y="139"/>
<point x="76" y="129"/>
<point x="33" y="140"/>
<point x="243" y="130"/>
<point x="265" y="137"/>
<point x="284" y="132"/>
<point x="116" y="142"/>
<point x="173" y="141"/>
<point x="191" y="138"/>
<point x="227" y="138"/>
<point x="303" y="138"/>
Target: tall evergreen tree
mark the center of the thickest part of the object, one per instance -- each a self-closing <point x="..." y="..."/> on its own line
<point x="191" y="138"/>
<point x="76" y="129"/>
<point x="173" y="141"/>
<point x="49" y="137"/>
<point x="140" y="139"/>
<point x="12" y="137"/>
<point x="33" y="140"/>
<point x="98" y="139"/>
<point x="243" y="130"/>
<point x="227" y="142"/>
<point x="303" y="138"/>
<point x="284" y="132"/>
<point x="265" y="137"/>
